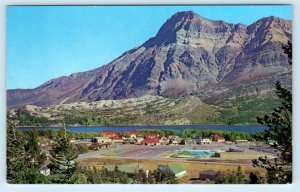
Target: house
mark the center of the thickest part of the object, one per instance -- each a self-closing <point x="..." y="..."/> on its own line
<point x="150" y="139"/>
<point x="102" y="140"/>
<point x="114" y="136"/>
<point x="271" y="142"/>
<point x="189" y="141"/>
<point x="176" y="169"/>
<point x="139" y="141"/>
<point x="164" y="141"/>
<point x="151" y="136"/>
<point x="150" y="142"/>
<point x="205" y="141"/>
<point x="44" y="169"/>
<point x="218" y="138"/>
<point x="173" y="137"/>
<point x="117" y="140"/>
<point x="110" y="134"/>
<point x="132" y="140"/>
<point x="132" y="134"/>
<point x="208" y="175"/>
<point x="174" y="142"/>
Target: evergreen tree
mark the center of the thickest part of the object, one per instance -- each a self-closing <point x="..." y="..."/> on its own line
<point x="79" y="178"/>
<point x="279" y="122"/>
<point x="15" y="153"/>
<point x="63" y="158"/>
<point x="30" y="176"/>
<point x="236" y="177"/>
<point x="164" y="177"/>
<point x="33" y="150"/>
<point x="240" y="177"/>
<point x="288" y="50"/>
<point x="19" y="168"/>
<point x="255" y="178"/>
<point x="140" y="177"/>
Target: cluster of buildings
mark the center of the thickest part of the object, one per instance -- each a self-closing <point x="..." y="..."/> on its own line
<point x="108" y="138"/>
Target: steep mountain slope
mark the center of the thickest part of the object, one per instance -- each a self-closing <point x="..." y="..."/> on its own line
<point x="189" y="55"/>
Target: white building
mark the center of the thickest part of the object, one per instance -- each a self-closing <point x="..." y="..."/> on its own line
<point x="205" y="141"/>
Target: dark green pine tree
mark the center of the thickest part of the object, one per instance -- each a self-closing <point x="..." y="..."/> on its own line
<point x="279" y="122"/>
<point x="15" y="152"/>
<point x="63" y="158"/>
<point x="19" y="169"/>
<point x="164" y="177"/>
<point x="288" y="49"/>
<point x="235" y="177"/>
<point x="33" y="150"/>
<point x="255" y="178"/>
<point x="140" y="177"/>
<point x="241" y="179"/>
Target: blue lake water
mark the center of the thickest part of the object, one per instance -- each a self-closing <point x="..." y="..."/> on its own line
<point x="244" y="128"/>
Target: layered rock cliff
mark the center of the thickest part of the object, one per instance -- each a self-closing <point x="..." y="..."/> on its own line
<point x="190" y="55"/>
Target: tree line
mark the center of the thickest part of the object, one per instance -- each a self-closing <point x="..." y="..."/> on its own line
<point x="186" y="133"/>
<point x="25" y="160"/>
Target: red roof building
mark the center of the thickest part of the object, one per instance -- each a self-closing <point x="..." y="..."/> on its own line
<point x="218" y="138"/>
<point x="151" y="136"/>
<point x="151" y="139"/>
<point x="133" y="134"/>
<point x="111" y="134"/>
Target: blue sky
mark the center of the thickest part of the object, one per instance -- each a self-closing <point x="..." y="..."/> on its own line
<point x="45" y="42"/>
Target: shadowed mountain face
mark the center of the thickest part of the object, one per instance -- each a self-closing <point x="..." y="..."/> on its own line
<point x="189" y="55"/>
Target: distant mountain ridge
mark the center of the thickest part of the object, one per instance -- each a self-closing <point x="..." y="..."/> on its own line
<point x="190" y="55"/>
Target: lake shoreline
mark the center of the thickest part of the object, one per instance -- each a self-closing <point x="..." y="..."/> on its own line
<point x="241" y="128"/>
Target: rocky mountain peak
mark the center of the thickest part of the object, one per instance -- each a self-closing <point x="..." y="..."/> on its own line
<point x="189" y="55"/>
<point x="270" y="23"/>
<point x="171" y="30"/>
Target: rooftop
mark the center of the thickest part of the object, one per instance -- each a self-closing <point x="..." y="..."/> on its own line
<point x="177" y="168"/>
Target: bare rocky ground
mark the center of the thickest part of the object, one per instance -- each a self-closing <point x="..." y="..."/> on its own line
<point x="157" y="109"/>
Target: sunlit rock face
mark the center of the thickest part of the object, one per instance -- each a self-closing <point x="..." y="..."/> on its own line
<point x="190" y="55"/>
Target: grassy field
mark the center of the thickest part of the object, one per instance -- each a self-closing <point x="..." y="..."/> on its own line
<point x="193" y="167"/>
<point x="237" y="155"/>
<point x="184" y="153"/>
<point x="242" y="111"/>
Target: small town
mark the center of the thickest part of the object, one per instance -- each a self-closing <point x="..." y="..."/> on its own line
<point x="134" y="151"/>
